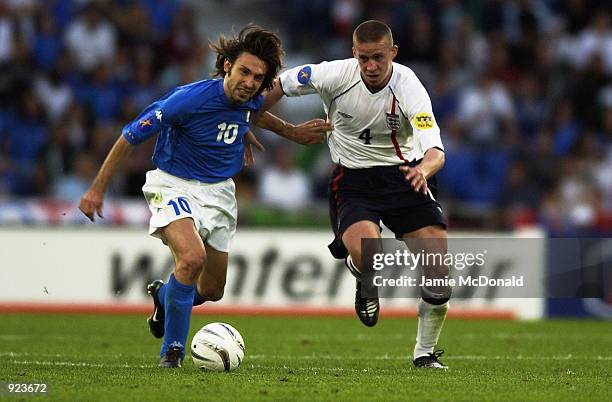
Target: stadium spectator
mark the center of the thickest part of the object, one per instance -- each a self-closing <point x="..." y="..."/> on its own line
<point x="91" y="39"/>
<point x="519" y="197"/>
<point x="486" y="110"/>
<point x="25" y="136"/>
<point x="72" y="186"/>
<point x="567" y="128"/>
<point x="162" y="14"/>
<point x="47" y="44"/>
<point x="181" y="41"/>
<point x="54" y="93"/>
<point x="7" y="33"/>
<point x="102" y="94"/>
<point x="283" y="174"/>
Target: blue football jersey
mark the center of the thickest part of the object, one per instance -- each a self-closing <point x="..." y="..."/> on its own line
<point x="200" y="132"/>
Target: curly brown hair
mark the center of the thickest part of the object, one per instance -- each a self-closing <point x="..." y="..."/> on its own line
<point x="253" y="39"/>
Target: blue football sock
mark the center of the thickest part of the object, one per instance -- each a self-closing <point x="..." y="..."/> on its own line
<point x="161" y="295"/>
<point x="197" y="297"/>
<point x="177" y="306"/>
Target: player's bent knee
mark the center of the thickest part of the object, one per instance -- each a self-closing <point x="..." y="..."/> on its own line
<point x="436" y="302"/>
<point x="433" y="232"/>
<point x="437" y="296"/>
<point x="191" y="263"/>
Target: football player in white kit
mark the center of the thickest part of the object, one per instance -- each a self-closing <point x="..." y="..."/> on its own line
<point x="387" y="148"/>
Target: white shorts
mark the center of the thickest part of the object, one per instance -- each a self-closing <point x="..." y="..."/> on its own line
<point x="212" y="206"/>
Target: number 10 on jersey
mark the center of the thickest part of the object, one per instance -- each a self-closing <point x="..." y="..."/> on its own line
<point x="227" y="132"/>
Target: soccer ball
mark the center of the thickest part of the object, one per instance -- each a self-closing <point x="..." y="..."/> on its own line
<point x="217" y="347"/>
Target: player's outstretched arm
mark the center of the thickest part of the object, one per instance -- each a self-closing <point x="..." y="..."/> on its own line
<point x="308" y="133"/>
<point x="273" y="96"/>
<point x="92" y="201"/>
<point x="432" y="161"/>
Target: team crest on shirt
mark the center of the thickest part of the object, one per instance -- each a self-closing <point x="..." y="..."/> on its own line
<point x="304" y="74"/>
<point x="423" y="121"/>
<point x="393" y="121"/>
<point x="145" y="125"/>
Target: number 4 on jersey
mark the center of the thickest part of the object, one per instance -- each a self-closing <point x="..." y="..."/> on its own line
<point x="366" y="137"/>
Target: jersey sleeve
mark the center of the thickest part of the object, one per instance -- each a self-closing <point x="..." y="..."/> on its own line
<point x="420" y="113"/>
<point x="322" y="78"/>
<point x="173" y="109"/>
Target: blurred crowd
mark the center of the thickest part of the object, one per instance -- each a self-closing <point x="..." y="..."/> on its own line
<point x="72" y="73"/>
<point x="521" y="90"/>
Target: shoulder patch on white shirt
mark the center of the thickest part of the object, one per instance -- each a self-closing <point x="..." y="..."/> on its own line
<point x="304" y="75"/>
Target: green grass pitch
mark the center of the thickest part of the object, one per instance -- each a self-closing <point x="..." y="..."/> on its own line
<point x="99" y="357"/>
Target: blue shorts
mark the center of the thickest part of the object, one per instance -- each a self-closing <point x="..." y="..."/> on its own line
<point x="379" y="194"/>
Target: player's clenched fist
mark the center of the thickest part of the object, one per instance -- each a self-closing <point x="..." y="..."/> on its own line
<point x="91" y="203"/>
<point x="416" y="178"/>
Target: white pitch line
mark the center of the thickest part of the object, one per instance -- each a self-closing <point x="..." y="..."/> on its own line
<point x="315" y="369"/>
<point x="21" y="354"/>
<point x="78" y="364"/>
<point x="529" y="335"/>
<point x="300" y="357"/>
<point x="47" y="355"/>
<point x="520" y="357"/>
<point x="341" y="357"/>
<point x="21" y="337"/>
<point x="459" y="357"/>
<point x="153" y="366"/>
<point x="7" y="338"/>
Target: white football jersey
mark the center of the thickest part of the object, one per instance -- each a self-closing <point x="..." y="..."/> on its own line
<point x="390" y="127"/>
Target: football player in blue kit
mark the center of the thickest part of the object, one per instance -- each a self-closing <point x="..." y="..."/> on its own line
<point x="203" y="139"/>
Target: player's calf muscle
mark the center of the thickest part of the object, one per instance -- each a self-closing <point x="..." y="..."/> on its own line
<point x="213" y="293"/>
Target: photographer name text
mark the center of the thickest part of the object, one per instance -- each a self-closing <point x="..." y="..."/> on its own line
<point x="468" y="280"/>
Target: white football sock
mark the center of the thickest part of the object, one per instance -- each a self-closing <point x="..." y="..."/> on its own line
<point x="356" y="272"/>
<point x="431" y="319"/>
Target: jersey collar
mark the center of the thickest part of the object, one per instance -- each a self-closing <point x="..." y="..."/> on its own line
<point x="381" y="89"/>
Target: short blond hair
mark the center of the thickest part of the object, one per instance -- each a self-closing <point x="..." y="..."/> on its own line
<point x="372" y="31"/>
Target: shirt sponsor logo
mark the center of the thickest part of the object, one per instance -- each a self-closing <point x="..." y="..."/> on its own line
<point x="304" y="74"/>
<point x="345" y="115"/>
<point x="158" y="115"/>
<point x="423" y="121"/>
<point x="393" y="121"/>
